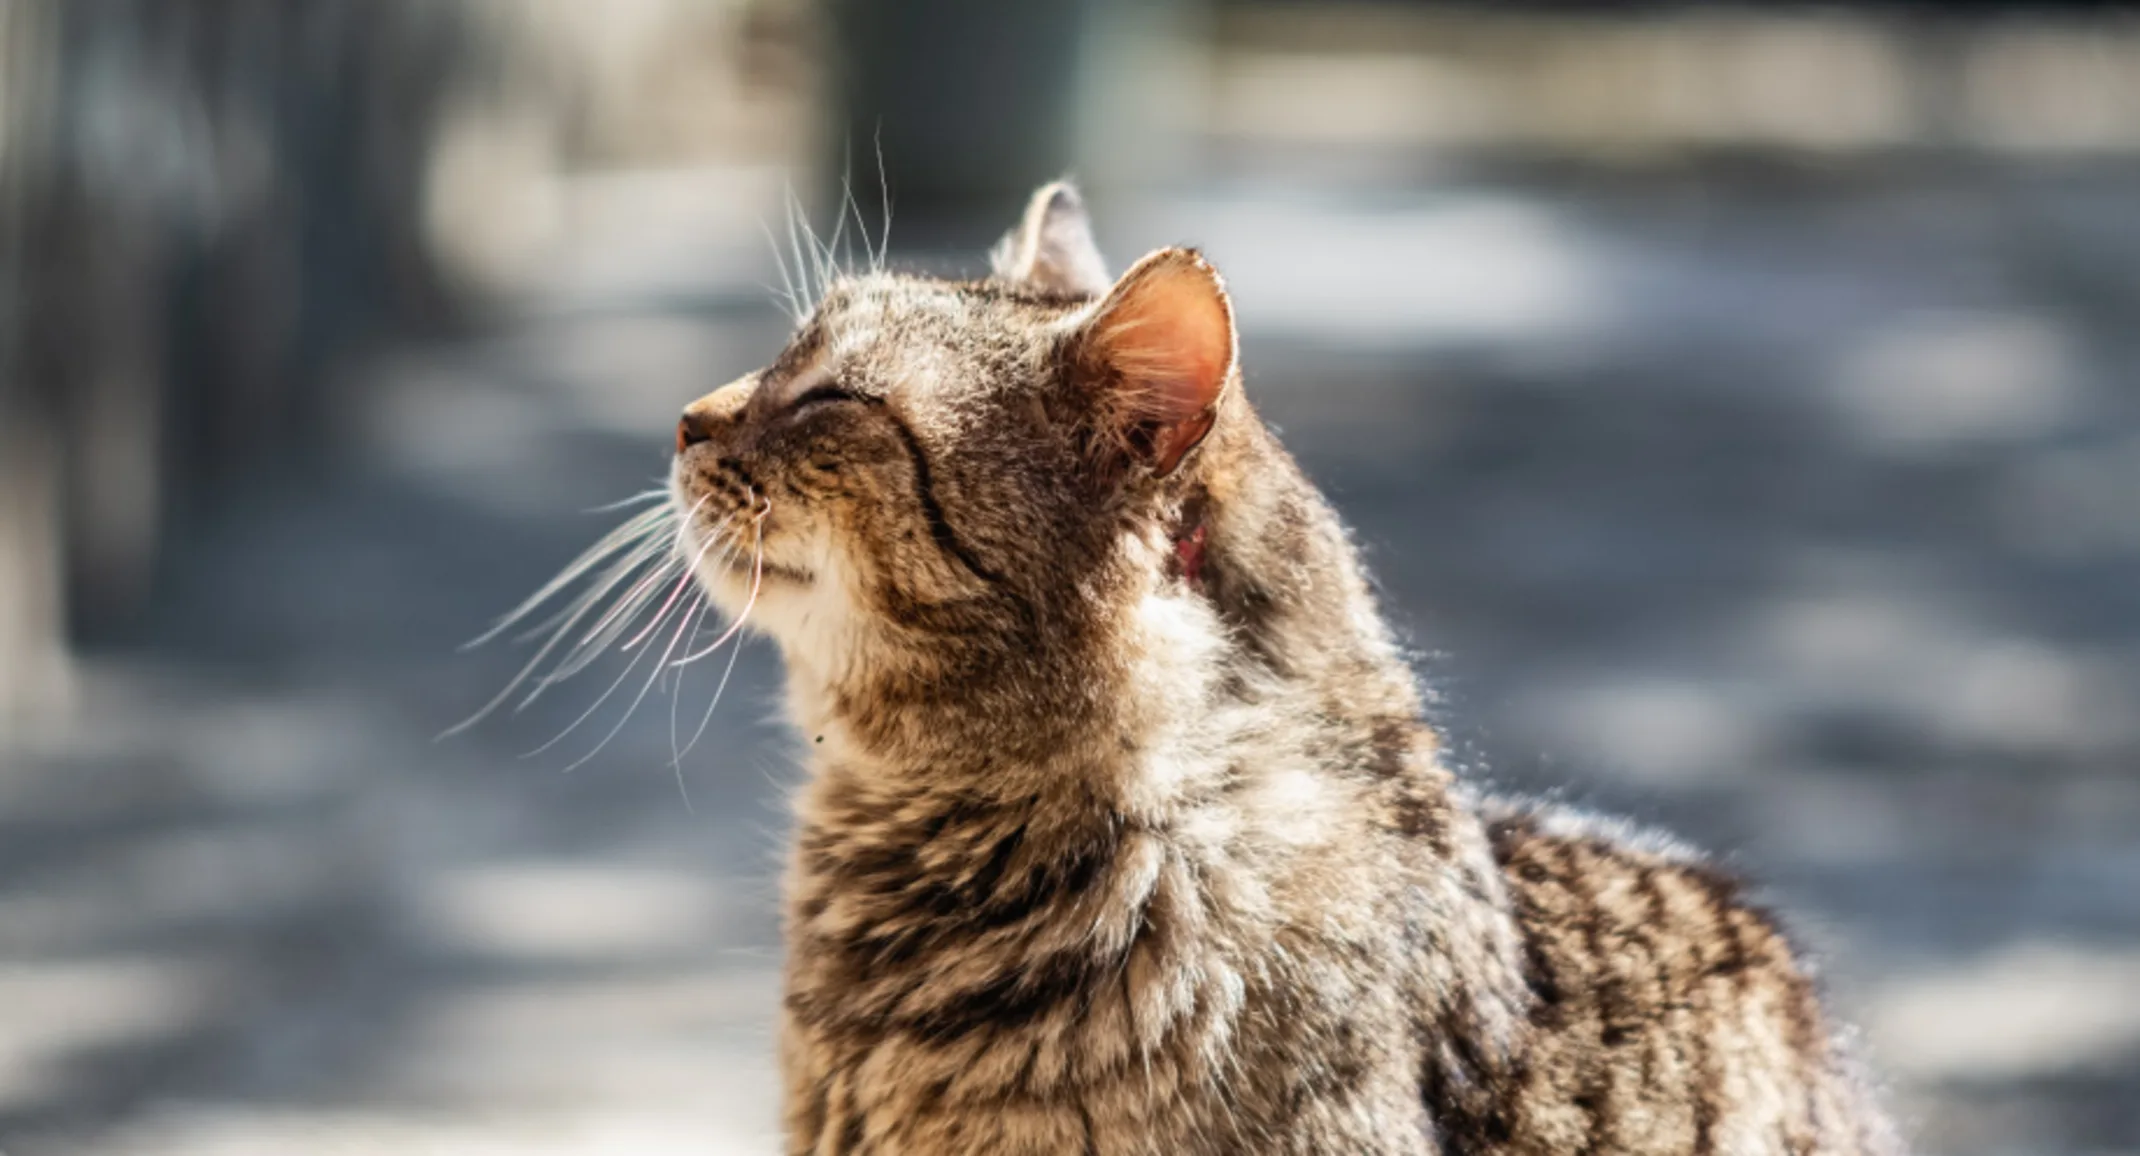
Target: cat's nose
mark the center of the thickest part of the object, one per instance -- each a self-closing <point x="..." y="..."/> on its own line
<point x="705" y="417"/>
<point x="696" y="426"/>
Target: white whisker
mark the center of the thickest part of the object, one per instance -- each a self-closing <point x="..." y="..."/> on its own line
<point x="816" y="249"/>
<point x="676" y="753"/>
<point x="884" y="195"/>
<point x="634" y="600"/>
<point x="584" y="653"/>
<point x="706" y="718"/>
<point x="623" y="675"/>
<point x="689" y="574"/>
<point x="638" y="527"/>
<point x="660" y="665"/>
<point x="645" y="552"/>
<point x="578" y="609"/>
<point x="839" y="227"/>
<point x="796" y="310"/>
<point x="634" y="583"/>
<point x="757" y="578"/>
<point x="635" y="499"/>
<point x="795" y="247"/>
<point x="757" y="564"/>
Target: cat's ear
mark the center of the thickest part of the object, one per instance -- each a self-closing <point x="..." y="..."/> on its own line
<point x="1156" y="356"/>
<point x="1052" y="250"/>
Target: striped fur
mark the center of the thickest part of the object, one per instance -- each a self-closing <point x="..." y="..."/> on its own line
<point x="1122" y="834"/>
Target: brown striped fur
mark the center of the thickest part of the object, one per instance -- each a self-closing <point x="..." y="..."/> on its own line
<point x="1122" y="834"/>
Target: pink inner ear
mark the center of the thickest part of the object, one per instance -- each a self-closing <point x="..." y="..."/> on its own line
<point x="1169" y="337"/>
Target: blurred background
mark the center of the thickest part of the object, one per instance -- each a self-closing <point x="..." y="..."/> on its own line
<point x="1737" y="404"/>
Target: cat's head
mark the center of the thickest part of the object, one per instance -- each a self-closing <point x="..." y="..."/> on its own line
<point x="929" y="456"/>
<point x="941" y="471"/>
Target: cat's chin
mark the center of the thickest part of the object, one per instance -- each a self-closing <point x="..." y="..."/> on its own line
<point x="736" y="585"/>
<point x="765" y="571"/>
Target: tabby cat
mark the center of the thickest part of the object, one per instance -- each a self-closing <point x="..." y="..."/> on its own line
<point x="1122" y="832"/>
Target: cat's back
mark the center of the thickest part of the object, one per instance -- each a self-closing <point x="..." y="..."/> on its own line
<point x="1668" y="1012"/>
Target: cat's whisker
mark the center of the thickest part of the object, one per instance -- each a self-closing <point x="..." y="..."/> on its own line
<point x="621" y="614"/>
<point x="795" y="247"/>
<point x="854" y="205"/>
<point x="884" y="198"/>
<point x="640" y="555"/>
<point x="637" y="530"/>
<point x="820" y="257"/>
<point x="558" y="627"/>
<point x="636" y="499"/>
<point x="589" y="712"/>
<point x="626" y="611"/>
<point x="734" y="652"/>
<point x="787" y="281"/>
<point x="586" y="653"/>
<point x="676" y="753"/>
<point x="622" y="677"/>
<point x="716" y="539"/>
<point x="831" y="246"/>
<point x="579" y="658"/>
<point x="638" y="527"/>
<point x="684" y="579"/>
<point x="757" y="580"/>
<point x="661" y="665"/>
<point x="635" y="599"/>
<point x="628" y="614"/>
<point x="706" y="718"/>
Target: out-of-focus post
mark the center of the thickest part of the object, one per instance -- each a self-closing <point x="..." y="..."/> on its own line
<point x="207" y="208"/>
<point x="970" y="104"/>
<point x="32" y="613"/>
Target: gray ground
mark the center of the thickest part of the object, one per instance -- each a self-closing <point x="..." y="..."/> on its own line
<point x="1795" y="517"/>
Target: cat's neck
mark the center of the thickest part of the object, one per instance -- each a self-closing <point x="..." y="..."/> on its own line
<point x="1157" y="669"/>
<point x="1002" y="722"/>
<point x="1136" y="724"/>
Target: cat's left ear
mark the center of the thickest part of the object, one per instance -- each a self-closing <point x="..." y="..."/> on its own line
<point x="1156" y="355"/>
<point x="1052" y="249"/>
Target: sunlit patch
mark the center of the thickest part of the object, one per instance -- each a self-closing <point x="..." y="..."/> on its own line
<point x="1463" y="269"/>
<point x="568" y="911"/>
<point x="1937" y="380"/>
<point x="2030" y="1009"/>
<point x="60" y="1012"/>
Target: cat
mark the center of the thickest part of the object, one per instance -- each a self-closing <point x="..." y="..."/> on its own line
<point x="1122" y="833"/>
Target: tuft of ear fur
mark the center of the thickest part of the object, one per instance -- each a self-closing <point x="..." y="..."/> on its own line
<point x="1052" y="249"/>
<point x="1157" y="354"/>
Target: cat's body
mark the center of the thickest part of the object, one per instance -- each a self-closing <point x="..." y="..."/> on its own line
<point x="1122" y="834"/>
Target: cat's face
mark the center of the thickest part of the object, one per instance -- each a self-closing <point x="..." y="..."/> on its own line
<point x="937" y="458"/>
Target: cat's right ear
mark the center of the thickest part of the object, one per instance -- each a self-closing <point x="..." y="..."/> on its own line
<point x="1052" y="249"/>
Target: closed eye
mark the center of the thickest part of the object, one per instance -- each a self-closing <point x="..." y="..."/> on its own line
<point x="821" y="394"/>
